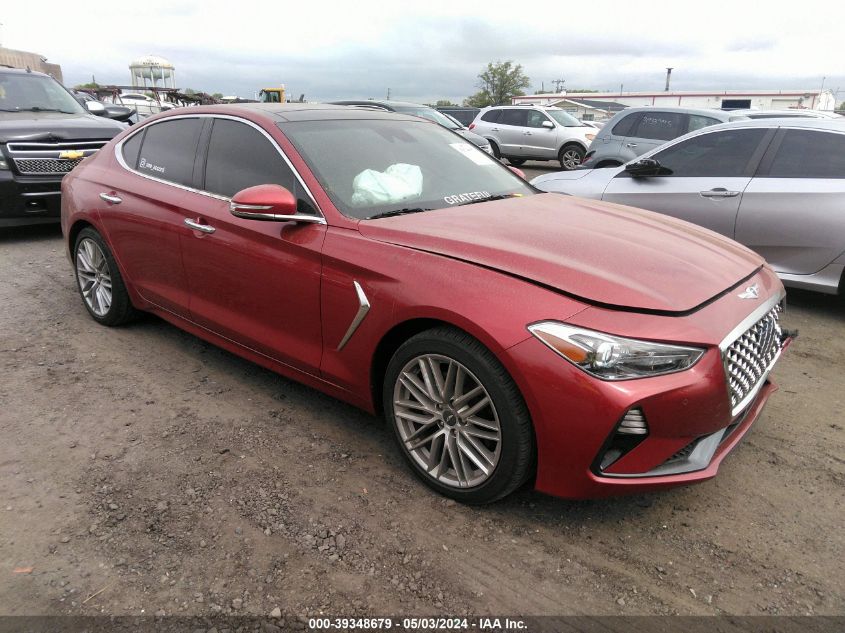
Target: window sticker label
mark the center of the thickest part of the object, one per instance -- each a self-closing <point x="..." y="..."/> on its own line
<point x="476" y="156"/>
<point x="145" y="164"/>
<point x="469" y="196"/>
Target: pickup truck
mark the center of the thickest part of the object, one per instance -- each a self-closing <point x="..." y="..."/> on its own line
<point x="44" y="133"/>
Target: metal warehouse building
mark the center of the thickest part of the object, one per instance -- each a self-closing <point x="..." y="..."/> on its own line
<point x="756" y="99"/>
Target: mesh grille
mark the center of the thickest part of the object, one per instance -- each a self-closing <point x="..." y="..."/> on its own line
<point x="750" y="357"/>
<point x="45" y="165"/>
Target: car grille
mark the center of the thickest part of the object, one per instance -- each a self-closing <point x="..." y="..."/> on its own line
<point x="750" y="357"/>
<point x="35" y="158"/>
<point x="45" y="165"/>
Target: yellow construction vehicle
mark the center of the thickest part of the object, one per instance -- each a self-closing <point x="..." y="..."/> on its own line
<point x="272" y="95"/>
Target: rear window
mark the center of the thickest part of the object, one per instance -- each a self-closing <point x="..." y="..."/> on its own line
<point x="514" y="117"/>
<point x="492" y="116"/>
<point x="660" y="126"/>
<point x="809" y="154"/>
<point x="169" y="150"/>
<point x="626" y="124"/>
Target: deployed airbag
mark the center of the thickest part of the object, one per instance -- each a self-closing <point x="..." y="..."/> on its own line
<point x="397" y="183"/>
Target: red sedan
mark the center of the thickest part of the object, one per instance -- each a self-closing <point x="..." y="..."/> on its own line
<point x="505" y="334"/>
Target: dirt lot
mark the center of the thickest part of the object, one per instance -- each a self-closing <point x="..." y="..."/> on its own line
<point x="159" y="474"/>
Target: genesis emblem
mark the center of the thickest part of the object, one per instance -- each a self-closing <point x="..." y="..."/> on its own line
<point x="752" y="292"/>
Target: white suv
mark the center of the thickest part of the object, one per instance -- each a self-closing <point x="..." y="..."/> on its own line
<point x="521" y="133"/>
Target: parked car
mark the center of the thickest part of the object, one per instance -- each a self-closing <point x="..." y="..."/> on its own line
<point x="44" y="133"/>
<point x="795" y="113"/>
<point x="776" y="186"/>
<point x="463" y="114"/>
<point x="144" y="104"/>
<point x="635" y="131"/>
<point x="379" y="259"/>
<point x="425" y="112"/>
<point x="108" y="110"/>
<point x="521" y="133"/>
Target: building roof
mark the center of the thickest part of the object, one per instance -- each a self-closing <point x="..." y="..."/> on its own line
<point x="610" y="106"/>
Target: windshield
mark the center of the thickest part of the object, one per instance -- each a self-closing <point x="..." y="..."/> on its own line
<point x="563" y="118"/>
<point x="431" y="114"/>
<point x="35" y="93"/>
<point x="372" y="167"/>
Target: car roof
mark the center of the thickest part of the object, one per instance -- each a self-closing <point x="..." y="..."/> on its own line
<point x="833" y="125"/>
<point x="281" y="112"/>
<point x="20" y="71"/>
<point x="711" y="112"/>
<point x="788" y="113"/>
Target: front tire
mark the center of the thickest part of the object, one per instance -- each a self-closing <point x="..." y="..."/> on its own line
<point x="570" y="156"/>
<point x="458" y="417"/>
<point x="98" y="280"/>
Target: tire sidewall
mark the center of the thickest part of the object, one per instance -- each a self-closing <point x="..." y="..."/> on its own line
<point x="112" y="315"/>
<point x="500" y="482"/>
<point x="566" y="148"/>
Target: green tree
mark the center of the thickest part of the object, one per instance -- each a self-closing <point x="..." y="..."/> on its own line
<point x="499" y="82"/>
<point x="217" y="95"/>
<point x="441" y="103"/>
<point x="91" y="85"/>
<point x="189" y="91"/>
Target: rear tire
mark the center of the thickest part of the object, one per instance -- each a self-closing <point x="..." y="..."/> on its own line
<point x="495" y="148"/>
<point x="458" y="417"/>
<point x="516" y="162"/>
<point x="99" y="282"/>
<point x="570" y="156"/>
<point x="607" y="163"/>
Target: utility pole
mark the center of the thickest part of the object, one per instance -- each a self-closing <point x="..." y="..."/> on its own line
<point x="559" y="84"/>
<point x="668" y="76"/>
<point x="388" y="94"/>
<point x="621" y="87"/>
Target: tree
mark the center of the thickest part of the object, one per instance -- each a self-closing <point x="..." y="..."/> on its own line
<point x="91" y="85"/>
<point x="499" y="82"/>
<point x="444" y="103"/>
<point x="217" y="95"/>
<point x="189" y="91"/>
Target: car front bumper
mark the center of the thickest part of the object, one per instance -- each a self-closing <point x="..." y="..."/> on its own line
<point x="29" y="200"/>
<point x="690" y="422"/>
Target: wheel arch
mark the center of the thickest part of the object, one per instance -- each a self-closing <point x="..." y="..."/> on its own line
<point x="75" y="230"/>
<point x="572" y="142"/>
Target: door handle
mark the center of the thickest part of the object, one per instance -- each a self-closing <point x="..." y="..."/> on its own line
<point x="718" y="192"/>
<point x="111" y="199"/>
<point x="199" y="227"/>
<point x="528" y="133"/>
<point x="494" y="129"/>
<point x="630" y="144"/>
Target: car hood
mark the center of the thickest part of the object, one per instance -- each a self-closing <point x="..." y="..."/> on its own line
<point x="55" y="127"/>
<point x="472" y="137"/>
<point x="603" y="253"/>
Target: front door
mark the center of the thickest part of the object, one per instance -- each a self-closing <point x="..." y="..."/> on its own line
<point x="512" y="125"/>
<point x="703" y="180"/>
<point x="256" y="283"/>
<point x="540" y="142"/>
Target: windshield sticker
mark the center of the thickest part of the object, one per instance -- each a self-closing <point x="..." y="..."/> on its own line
<point x="144" y="164"/>
<point x="475" y="155"/>
<point x="470" y="196"/>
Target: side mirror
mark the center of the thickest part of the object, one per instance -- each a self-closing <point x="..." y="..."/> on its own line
<point x="645" y="167"/>
<point x="548" y="125"/>
<point x="271" y="203"/>
<point x="518" y="172"/>
<point x="95" y="107"/>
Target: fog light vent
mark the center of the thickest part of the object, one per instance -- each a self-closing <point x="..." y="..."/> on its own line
<point x="633" y="423"/>
<point x="632" y="430"/>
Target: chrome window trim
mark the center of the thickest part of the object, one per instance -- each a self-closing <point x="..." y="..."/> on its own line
<point x="733" y="335"/>
<point x="118" y="154"/>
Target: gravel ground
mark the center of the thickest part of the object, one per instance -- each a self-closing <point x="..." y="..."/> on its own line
<point x="145" y="471"/>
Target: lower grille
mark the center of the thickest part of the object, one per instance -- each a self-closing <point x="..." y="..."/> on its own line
<point x="750" y="357"/>
<point x="31" y="166"/>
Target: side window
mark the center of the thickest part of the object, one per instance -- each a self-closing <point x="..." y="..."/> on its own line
<point x="169" y="150"/>
<point x="492" y="116"/>
<point x="239" y="156"/>
<point x="626" y="124"/>
<point x="724" y="153"/>
<point x="514" y="117"/>
<point x="131" y="149"/>
<point x="660" y="126"/>
<point x="697" y="121"/>
<point x="535" y="118"/>
<point x="809" y="154"/>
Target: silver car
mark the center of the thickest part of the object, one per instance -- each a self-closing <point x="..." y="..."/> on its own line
<point x="775" y="185"/>
<point x="635" y="131"/>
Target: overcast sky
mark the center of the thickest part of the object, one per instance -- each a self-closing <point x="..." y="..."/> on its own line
<point x="435" y="49"/>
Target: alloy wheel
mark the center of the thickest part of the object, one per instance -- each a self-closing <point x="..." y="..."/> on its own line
<point x="95" y="282"/>
<point x="447" y="421"/>
<point x="571" y="158"/>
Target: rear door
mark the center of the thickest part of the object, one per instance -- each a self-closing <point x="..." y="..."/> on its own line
<point x="793" y="211"/>
<point x="145" y="223"/>
<point x="253" y="282"/>
<point x="512" y="126"/>
<point x="653" y="129"/>
<point x="705" y="178"/>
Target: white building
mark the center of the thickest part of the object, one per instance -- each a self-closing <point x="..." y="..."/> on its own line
<point x="756" y="99"/>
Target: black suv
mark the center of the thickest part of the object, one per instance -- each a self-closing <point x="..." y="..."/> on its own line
<point x="44" y="133"/>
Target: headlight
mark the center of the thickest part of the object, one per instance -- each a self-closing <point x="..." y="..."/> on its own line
<point x="613" y="357"/>
<point x="4" y="165"/>
<point x="589" y="137"/>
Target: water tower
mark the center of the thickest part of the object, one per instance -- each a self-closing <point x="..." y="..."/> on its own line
<point x="153" y="72"/>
